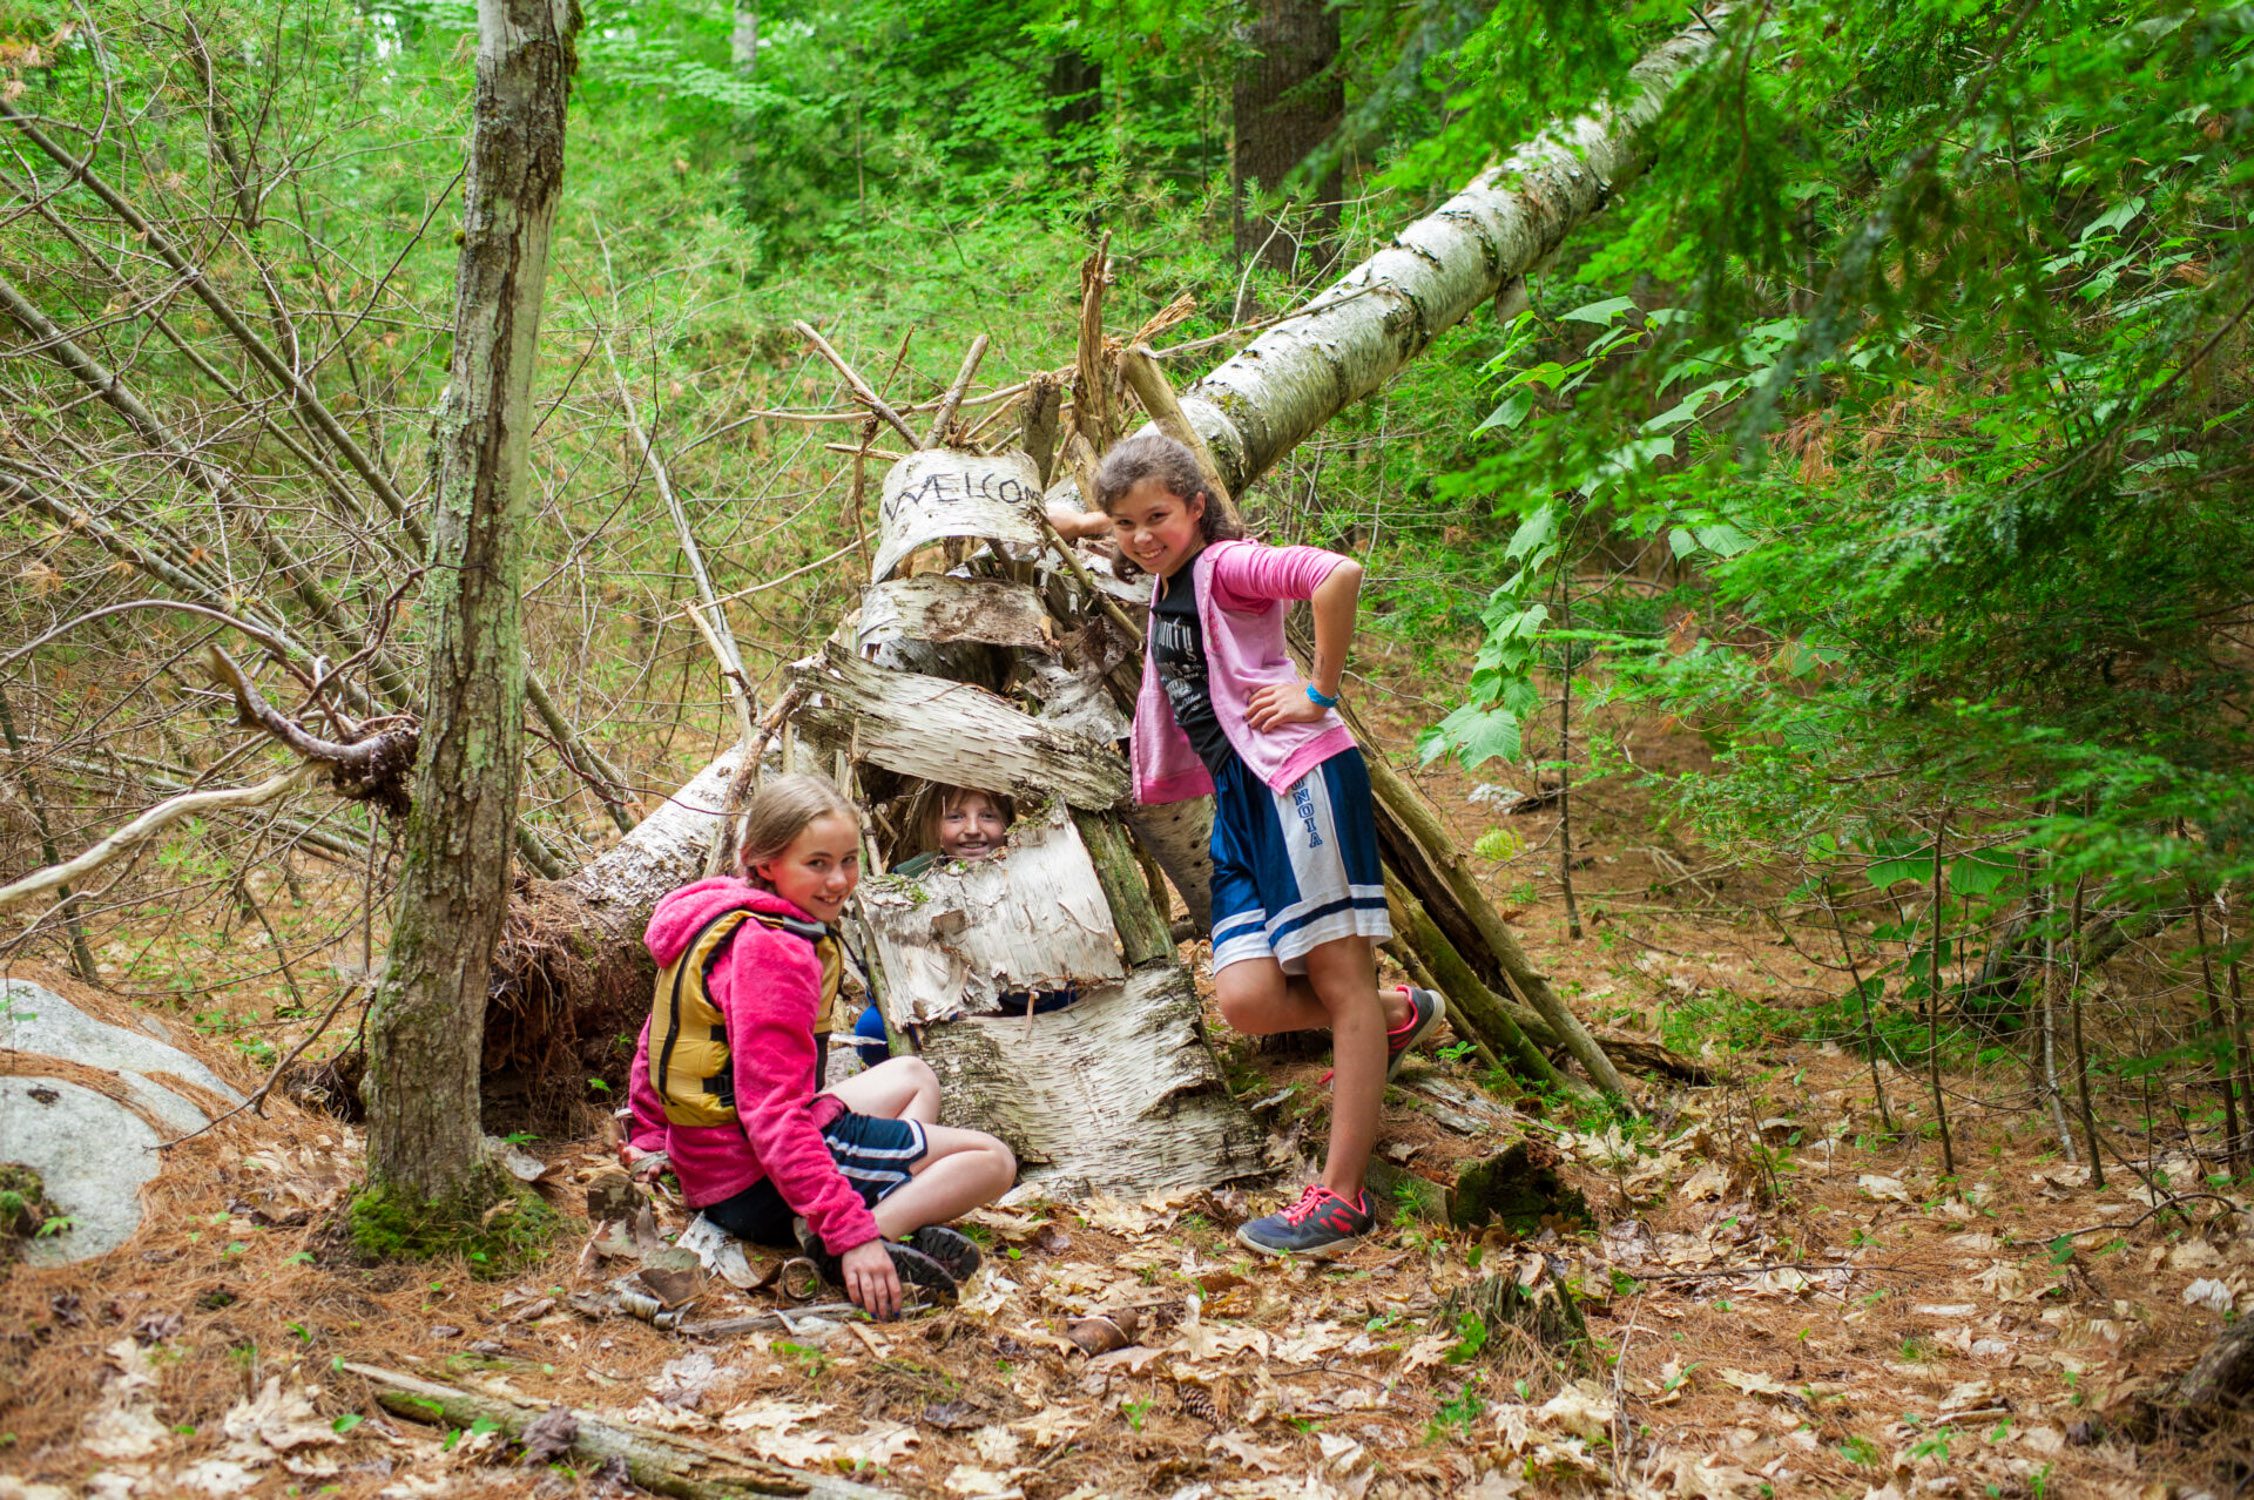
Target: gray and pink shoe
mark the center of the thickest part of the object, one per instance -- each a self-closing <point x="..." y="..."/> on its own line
<point x="1319" y="1225"/>
<point x="1427" y="1009"/>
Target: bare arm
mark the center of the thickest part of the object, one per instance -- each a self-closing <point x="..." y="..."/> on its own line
<point x="1336" y="599"/>
<point x="1079" y="525"/>
<point x="1334" y="602"/>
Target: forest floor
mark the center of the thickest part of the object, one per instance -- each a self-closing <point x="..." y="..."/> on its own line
<point x="1781" y="1297"/>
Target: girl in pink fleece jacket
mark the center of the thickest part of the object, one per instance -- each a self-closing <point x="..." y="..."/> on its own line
<point x="755" y="1145"/>
<point x="1298" y="893"/>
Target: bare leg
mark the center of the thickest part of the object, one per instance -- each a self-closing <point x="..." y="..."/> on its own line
<point x="1259" y="999"/>
<point x="899" y="1088"/>
<point x="963" y="1169"/>
<point x="1343" y="976"/>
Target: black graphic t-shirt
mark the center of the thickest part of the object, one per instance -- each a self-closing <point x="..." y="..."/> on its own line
<point x="1177" y="640"/>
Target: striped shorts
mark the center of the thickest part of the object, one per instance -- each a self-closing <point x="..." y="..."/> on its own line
<point x="873" y="1153"/>
<point x="1295" y="869"/>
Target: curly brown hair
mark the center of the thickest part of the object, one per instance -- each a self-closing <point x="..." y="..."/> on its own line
<point x="1154" y="455"/>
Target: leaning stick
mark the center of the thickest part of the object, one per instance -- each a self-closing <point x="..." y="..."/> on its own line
<point x="954" y="397"/>
<point x="1152" y="388"/>
<point x="157" y="818"/>
<point x="1397" y="795"/>
<point x="861" y="388"/>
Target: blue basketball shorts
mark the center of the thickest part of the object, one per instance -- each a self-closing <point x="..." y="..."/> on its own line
<point x="1295" y="869"/>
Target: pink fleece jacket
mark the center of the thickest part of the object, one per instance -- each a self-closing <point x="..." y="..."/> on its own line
<point x="1241" y="592"/>
<point x="768" y="984"/>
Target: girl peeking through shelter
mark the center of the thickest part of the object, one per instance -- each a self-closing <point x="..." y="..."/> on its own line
<point x="956" y="823"/>
<point x="725" y="1083"/>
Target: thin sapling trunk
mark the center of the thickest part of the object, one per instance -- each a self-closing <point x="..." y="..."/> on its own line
<point x="1933" y="1001"/>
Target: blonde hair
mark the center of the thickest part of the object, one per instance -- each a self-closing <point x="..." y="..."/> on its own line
<point x="779" y="813"/>
<point x="942" y="799"/>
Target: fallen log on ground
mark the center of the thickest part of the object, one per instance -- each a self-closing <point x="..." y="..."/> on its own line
<point x="666" y="1463"/>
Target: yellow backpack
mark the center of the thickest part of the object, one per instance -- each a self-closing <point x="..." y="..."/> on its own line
<point x="689" y="1056"/>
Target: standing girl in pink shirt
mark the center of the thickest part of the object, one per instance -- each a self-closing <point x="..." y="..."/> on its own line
<point x="1298" y="893"/>
<point x="724" y="1081"/>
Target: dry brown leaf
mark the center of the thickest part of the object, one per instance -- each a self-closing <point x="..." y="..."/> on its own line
<point x="1884" y="1188"/>
<point x="1240" y="1447"/>
<point x="1754" y="1382"/>
<point x="124" y="1424"/>
<point x="980" y="1484"/>
<point x="996" y="1445"/>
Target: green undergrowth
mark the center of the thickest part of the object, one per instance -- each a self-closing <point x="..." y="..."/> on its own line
<point x="25" y="1213"/>
<point x="497" y="1226"/>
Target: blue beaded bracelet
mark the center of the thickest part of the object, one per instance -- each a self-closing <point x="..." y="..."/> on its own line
<point x="1321" y="699"/>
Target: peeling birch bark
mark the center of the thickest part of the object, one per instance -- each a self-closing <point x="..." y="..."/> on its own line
<point x="1117" y="1093"/>
<point x="952" y="732"/>
<point x="935" y="495"/>
<point x="940" y="608"/>
<point x="955" y="939"/>
<point x="1075" y="701"/>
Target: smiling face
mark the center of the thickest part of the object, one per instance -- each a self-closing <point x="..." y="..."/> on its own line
<point x="1158" y="529"/>
<point x="818" y="870"/>
<point x="972" y="827"/>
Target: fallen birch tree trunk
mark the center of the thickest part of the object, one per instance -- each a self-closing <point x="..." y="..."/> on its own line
<point x="1348" y="341"/>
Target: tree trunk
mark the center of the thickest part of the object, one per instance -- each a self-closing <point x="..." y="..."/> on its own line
<point x="426" y="1026"/>
<point x="1287" y="103"/>
<point x="1256" y="407"/>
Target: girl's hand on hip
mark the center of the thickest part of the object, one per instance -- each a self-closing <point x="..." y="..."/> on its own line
<point x="1279" y="704"/>
<point x="871" y="1280"/>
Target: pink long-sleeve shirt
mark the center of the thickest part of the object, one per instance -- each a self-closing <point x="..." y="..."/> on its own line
<point x="768" y="984"/>
<point x="1242" y="590"/>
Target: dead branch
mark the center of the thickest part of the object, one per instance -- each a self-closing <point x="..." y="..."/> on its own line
<point x="711" y="620"/>
<point x="861" y="388"/>
<point x="390" y="674"/>
<point x="372" y="768"/>
<point x="667" y="1463"/>
<point x="308" y="400"/>
<point x="1092" y="415"/>
<point x="954" y="397"/>
<point x="154" y="821"/>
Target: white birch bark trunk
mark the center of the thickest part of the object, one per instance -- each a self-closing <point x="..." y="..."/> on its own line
<point x="1253" y="409"/>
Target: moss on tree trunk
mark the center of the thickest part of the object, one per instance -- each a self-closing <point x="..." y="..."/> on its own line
<point x="426" y="1163"/>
